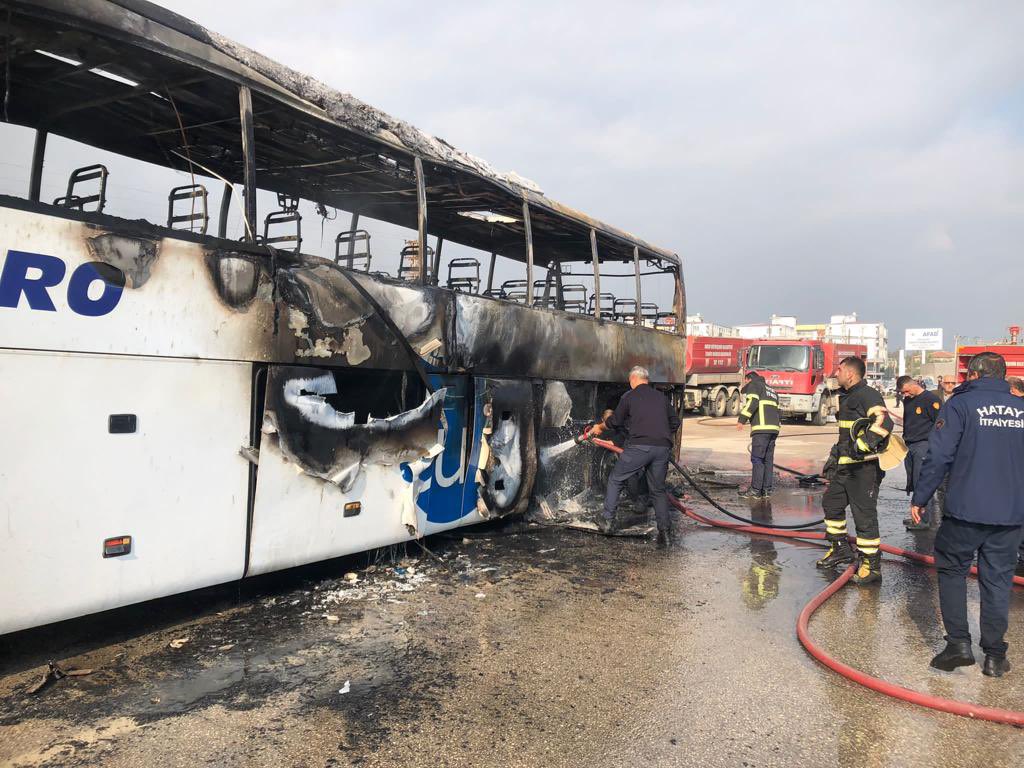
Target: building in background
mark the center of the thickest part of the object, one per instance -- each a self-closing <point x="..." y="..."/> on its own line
<point x="778" y="327"/>
<point x="846" y="328"/>
<point x="696" y="325"/>
<point x="811" y="332"/>
<point x="940" y="363"/>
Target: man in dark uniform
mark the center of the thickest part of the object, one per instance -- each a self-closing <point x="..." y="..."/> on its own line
<point x="761" y="410"/>
<point x="920" y="409"/>
<point x="649" y="421"/>
<point x="855" y="475"/>
<point x="979" y="441"/>
<point x="1017" y="390"/>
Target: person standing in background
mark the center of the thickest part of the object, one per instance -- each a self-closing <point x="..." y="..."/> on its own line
<point x="920" y="410"/>
<point x="946" y="386"/>
<point x="761" y="410"/>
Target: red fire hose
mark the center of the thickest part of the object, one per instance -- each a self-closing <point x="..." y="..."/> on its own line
<point x="961" y="708"/>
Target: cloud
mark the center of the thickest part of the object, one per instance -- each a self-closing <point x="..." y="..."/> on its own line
<point x="937" y="238"/>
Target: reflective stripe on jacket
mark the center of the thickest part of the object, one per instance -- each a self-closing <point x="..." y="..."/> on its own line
<point x="858" y="402"/>
<point x="760" y="406"/>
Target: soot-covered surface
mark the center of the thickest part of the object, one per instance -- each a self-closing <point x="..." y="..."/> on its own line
<point x="547" y="647"/>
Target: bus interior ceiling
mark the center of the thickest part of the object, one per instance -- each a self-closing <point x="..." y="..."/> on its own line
<point x="331" y="151"/>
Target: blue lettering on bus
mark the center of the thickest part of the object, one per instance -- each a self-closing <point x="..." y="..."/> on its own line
<point x="16" y="281"/>
<point x="87" y="274"/>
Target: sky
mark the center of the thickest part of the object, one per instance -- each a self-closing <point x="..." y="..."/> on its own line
<point x="804" y="159"/>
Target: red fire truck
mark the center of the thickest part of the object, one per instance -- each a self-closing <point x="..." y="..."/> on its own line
<point x="1011" y="349"/>
<point x="714" y="371"/>
<point x="802" y="371"/>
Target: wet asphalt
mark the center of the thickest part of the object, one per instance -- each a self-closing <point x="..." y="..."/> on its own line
<point x="518" y="646"/>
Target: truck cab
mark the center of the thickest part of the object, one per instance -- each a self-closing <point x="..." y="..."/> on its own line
<point x="802" y="372"/>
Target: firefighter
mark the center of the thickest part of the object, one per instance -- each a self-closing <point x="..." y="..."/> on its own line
<point x="979" y="441"/>
<point x="761" y="410"/>
<point x="920" y="410"/>
<point x="1017" y="390"/>
<point x="647" y="417"/>
<point x="855" y="476"/>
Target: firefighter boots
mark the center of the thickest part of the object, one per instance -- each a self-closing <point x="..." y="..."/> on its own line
<point x="839" y="553"/>
<point x="869" y="570"/>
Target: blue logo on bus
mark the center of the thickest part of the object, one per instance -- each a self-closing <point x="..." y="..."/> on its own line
<point x="34" y="275"/>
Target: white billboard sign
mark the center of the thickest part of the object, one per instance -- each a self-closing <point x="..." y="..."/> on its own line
<point x="923" y="339"/>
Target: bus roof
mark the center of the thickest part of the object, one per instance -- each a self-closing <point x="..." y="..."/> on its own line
<point x="136" y="79"/>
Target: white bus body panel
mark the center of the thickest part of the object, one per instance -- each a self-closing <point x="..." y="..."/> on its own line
<point x="299" y="519"/>
<point x="167" y="308"/>
<point x="177" y="485"/>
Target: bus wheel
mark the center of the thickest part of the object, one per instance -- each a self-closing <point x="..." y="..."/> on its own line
<point x="820" y="418"/>
<point x="732" y="407"/>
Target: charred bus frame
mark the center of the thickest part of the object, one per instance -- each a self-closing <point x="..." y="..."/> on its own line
<point x="334" y="409"/>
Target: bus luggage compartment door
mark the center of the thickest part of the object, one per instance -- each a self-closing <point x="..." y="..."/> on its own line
<point x="344" y="456"/>
<point x="102" y="447"/>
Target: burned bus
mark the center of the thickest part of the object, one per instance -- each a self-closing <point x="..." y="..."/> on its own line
<point x="189" y="405"/>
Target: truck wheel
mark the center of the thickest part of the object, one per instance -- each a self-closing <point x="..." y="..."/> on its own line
<point x="707" y="404"/>
<point x="732" y="407"/>
<point x="820" y="417"/>
<point x="719" y="403"/>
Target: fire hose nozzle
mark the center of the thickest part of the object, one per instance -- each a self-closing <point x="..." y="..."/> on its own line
<point x="580" y="439"/>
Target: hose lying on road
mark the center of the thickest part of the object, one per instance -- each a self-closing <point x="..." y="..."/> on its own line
<point x="696" y="486"/>
<point x="962" y="708"/>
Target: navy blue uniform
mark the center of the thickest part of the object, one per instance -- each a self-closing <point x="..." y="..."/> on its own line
<point x="647" y="417"/>
<point x="919" y="415"/>
<point x="978" y="440"/>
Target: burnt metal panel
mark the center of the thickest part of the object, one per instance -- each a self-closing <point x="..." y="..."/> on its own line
<point x="501" y="338"/>
<point x="324" y="319"/>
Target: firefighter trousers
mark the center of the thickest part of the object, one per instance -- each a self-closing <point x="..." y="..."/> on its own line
<point x="762" y="460"/>
<point x="855" y="486"/>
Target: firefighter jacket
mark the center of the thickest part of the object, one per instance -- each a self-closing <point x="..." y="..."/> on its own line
<point x="761" y="406"/>
<point x="979" y="440"/>
<point x="858" y="402"/>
